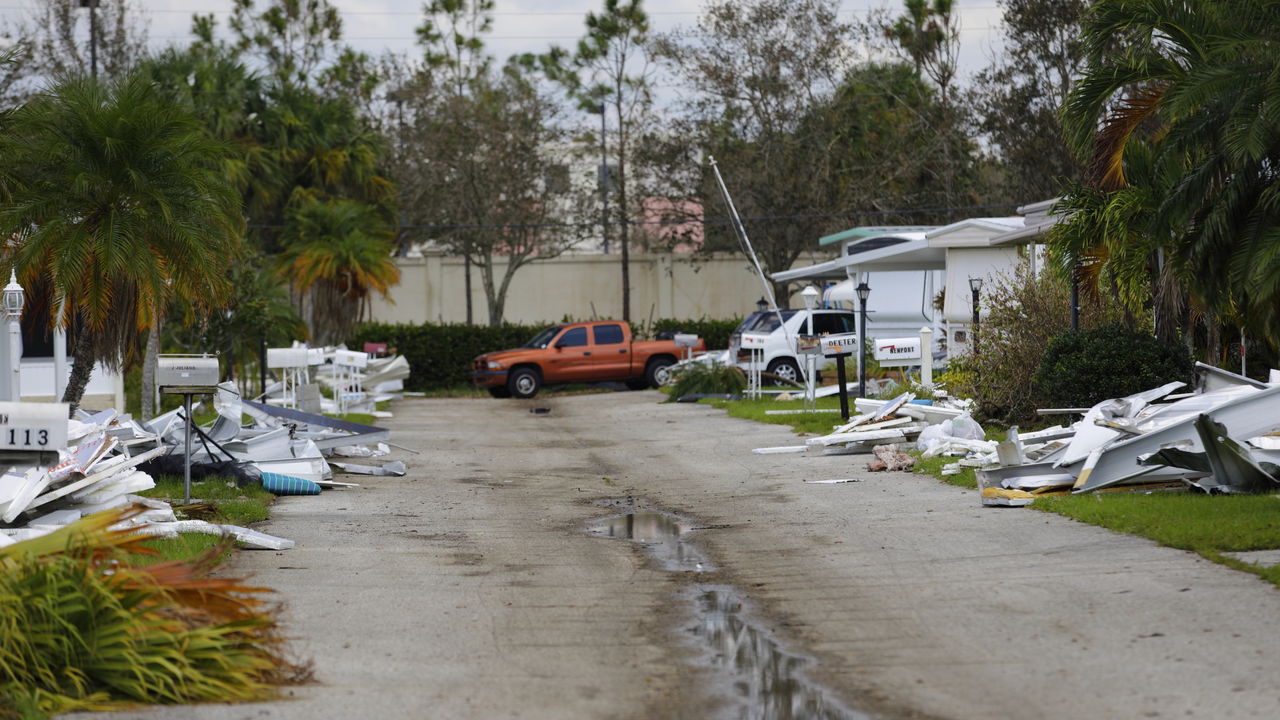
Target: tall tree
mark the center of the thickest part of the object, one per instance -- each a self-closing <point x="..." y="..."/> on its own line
<point x="1176" y="115"/>
<point x="928" y="33"/>
<point x="119" y="204"/>
<point x="1020" y="94"/>
<point x="291" y="37"/>
<point x="490" y="164"/>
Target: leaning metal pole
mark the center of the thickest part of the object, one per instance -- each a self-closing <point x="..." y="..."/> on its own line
<point x="741" y="232"/>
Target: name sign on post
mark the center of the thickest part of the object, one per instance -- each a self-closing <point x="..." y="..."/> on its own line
<point x="808" y="345"/>
<point x="895" y="352"/>
<point x="33" y="426"/>
<point x="839" y="344"/>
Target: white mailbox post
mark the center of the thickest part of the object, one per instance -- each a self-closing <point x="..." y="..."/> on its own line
<point x="293" y="362"/>
<point x="187" y="375"/>
<point x="754" y="344"/>
<point x="347" y="365"/>
<point x="687" y="341"/>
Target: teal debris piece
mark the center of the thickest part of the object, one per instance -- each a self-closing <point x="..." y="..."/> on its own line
<point x="278" y="484"/>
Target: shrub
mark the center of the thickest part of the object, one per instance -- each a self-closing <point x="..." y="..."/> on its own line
<point x="1084" y="368"/>
<point x="707" y="378"/>
<point x="1023" y="313"/>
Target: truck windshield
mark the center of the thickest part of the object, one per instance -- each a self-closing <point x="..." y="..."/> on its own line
<point x="542" y="339"/>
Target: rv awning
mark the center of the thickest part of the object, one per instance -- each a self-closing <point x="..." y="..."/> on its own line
<point x="910" y="255"/>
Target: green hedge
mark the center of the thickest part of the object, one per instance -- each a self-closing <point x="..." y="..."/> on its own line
<point x="1081" y="369"/>
<point x="440" y="355"/>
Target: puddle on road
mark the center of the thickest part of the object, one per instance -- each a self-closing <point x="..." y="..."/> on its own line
<point x="662" y="535"/>
<point x="762" y="681"/>
<point x="767" y="682"/>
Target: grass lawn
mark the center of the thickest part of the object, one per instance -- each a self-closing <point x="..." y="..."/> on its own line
<point x="1206" y="524"/>
<point x="230" y="505"/>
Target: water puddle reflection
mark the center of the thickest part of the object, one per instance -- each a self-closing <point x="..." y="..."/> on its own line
<point x="761" y="679"/>
<point x="662" y="535"/>
<point x="767" y="681"/>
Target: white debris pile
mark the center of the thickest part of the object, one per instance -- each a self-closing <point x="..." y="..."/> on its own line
<point x="1222" y="438"/>
<point x="880" y="422"/>
<point x="44" y="488"/>
<point x="356" y="381"/>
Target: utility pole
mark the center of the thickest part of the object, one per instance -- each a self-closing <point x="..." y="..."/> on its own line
<point x="92" y="5"/>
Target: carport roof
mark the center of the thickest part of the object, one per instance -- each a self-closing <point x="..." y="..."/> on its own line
<point x="913" y="254"/>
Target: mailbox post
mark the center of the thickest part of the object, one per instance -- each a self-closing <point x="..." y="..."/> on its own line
<point x="187" y="375"/>
<point x="840" y="347"/>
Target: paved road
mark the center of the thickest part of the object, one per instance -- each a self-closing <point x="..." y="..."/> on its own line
<point x="468" y="589"/>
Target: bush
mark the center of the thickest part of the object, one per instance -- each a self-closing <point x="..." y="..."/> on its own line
<point x="707" y="378"/>
<point x="1084" y="368"/>
<point x="715" y="332"/>
<point x="1023" y="313"/>
<point x="440" y="355"/>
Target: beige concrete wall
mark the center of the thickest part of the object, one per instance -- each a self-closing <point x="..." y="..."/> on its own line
<point x="580" y="286"/>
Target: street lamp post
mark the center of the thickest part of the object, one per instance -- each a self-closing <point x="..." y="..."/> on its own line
<point x="810" y="297"/>
<point x="864" y="291"/>
<point x="762" y="305"/>
<point x="975" y="286"/>
<point x="14" y="299"/>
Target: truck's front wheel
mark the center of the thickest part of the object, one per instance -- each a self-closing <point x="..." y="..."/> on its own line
<point x="524" y="382"/>
<point x="658" y="371"/>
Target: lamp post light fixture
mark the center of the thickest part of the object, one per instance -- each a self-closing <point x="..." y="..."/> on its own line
<point x="975" y="286"/>
<point x="864" y="291"/>
<point x="14" y="299"/>
<point x="762" y="305"/>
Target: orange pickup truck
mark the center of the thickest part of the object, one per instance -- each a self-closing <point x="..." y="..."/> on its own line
<point x="577" y="352"/>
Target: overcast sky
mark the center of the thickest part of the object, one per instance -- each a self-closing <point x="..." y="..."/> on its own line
<point x="374" y="26"/>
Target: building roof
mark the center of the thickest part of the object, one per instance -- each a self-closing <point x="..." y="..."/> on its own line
<point x="866" y="231"/>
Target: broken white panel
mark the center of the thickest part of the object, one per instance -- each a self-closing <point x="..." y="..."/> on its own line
<point x="829" y="390"/>
<point x="1253" y="413"/>
<point x="124" y="484"/>
<point x="55" y="519"/>
<point x="34" y="482"/>
<point x="312" y="469"/>
<point x="384" y="370"/>
<point x="272" y="445"/>
<point x="394" y="468"/>
<point x="835" y="481"/>
<point x="852" y="437"/>
<point x="362" y="450"/>
<point x="114" y="467"/>
<point x="252" y="538"/>
<point x="777" y="450"/>
<point x="1215" y="378"/>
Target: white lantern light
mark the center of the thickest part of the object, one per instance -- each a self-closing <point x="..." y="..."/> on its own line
<point x="14" y="297"/>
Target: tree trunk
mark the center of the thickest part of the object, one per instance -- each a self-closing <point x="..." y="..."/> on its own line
<point x="81" y="369"/>
<point x="149" y="371"/>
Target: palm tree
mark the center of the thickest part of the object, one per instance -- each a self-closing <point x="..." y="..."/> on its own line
<point x="1186" y="158"/>
<point x="119" y="204"/>
<point x="339" y="252"/>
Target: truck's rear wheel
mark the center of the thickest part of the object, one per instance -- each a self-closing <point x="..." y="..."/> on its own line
<point x="524" y="382"/>
<point x="658" y="372"/>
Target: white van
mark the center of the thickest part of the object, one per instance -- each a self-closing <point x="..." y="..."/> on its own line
<point x="780" y="357"/>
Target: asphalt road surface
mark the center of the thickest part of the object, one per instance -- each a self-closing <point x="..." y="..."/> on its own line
<point x="471" y="589"/>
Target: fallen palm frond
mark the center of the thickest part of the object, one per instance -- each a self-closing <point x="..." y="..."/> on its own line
<point x="82" y="629"/>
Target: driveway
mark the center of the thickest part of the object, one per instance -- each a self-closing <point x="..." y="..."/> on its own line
<point x="470" y="589"/>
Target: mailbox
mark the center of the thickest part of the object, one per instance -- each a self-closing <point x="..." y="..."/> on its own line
<point x="315" y="356"/>
<point x="686" y="340"/>
<point x="33" y="427"/>
<point x="281" y="358"/>
<point x="839" y="344"/>
<point x="187" y="374"/>
<point x="350" y="358"/>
